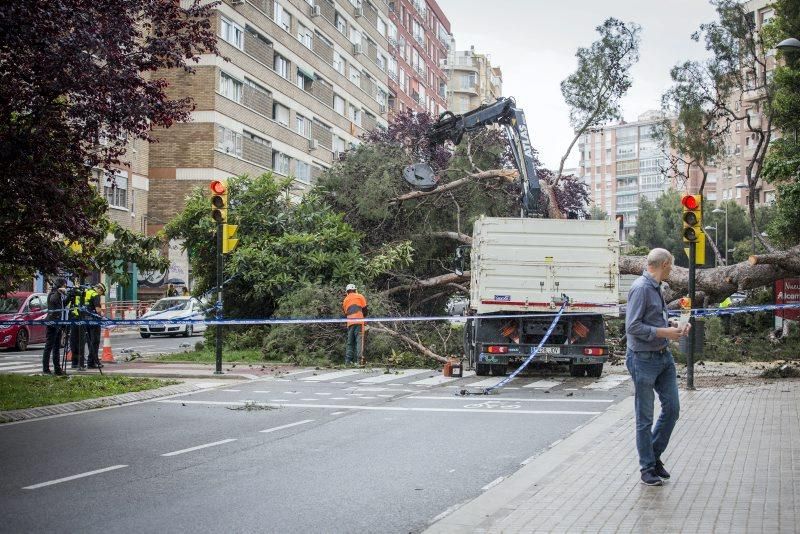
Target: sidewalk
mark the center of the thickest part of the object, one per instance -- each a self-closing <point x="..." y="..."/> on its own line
<point x="734" y="459"/>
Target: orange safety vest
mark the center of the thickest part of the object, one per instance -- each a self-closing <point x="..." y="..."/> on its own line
<point x="353" y="305"/>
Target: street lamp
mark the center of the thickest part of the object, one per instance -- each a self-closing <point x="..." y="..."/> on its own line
<point x="725" y="211"/>
<point x="789" y="45"/>
<point x="716" y="245"/>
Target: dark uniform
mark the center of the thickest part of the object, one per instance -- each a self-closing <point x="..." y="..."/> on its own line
<point x="77" y="333"/>
<point x="93" y="331"/>
<point x="55" y="309"/>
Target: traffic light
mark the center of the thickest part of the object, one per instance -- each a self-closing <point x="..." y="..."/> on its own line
<point x="693" y="226"/>
<point x="228" y="241"/>
<point x="219" y="201"/>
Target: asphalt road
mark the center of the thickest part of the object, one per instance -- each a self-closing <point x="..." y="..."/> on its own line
<point x="29" y="361"/>
<point x="319" y="451"/>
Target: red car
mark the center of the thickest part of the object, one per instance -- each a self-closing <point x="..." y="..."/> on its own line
<point x="22" y="306"/>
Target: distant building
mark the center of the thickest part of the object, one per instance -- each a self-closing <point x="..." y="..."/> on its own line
<point x="473" y="80"/>
<point x="622" y="163"/>
<point x="419" y="36"/>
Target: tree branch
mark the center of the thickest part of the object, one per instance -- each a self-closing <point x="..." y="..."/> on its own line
<point x="380" y="327"/>
<point x="508" y="175"/>
<point x="435" y="281"/>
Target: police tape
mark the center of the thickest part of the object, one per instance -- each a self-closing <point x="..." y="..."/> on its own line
<point x="112" y="323"/>
<point x="534" y="351"/>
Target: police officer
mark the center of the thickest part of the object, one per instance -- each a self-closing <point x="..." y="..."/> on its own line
<point x="77" y="333"/>
<point x="55" y="308"/>
<point x="93" y="332"/>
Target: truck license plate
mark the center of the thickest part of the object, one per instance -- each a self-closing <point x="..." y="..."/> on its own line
<point x="550" y="350"/>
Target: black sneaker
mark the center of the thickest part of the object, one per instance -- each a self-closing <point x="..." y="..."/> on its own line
<point x="649" y="478"/>
<point x="660" y="471"/>
<point x="46" y="372"/>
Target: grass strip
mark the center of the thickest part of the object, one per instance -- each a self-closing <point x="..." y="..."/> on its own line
<point x="19" y="391"/>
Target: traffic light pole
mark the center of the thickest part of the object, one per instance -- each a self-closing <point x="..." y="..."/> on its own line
<point x="690" y="341"/>
<point x="218" y="370"/>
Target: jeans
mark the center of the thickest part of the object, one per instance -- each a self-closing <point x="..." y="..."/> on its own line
<point x="52" y="347"/>
<point x="354" y="340"/>
<point x="653" y="371"/>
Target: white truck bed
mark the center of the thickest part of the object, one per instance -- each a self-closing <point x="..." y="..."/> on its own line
<point x="524" y="265"/>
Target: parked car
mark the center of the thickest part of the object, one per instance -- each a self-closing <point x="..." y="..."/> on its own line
<point x="173" y="308"/>
<point x="22" y="306"/>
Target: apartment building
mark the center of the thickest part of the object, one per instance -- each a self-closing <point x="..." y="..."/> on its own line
<point x="741" y="143"/>
<point x="473" y="80"/>
<point x="623" y="163"/>
<point x="419" y="36"/>
<point x="295" y="84"/>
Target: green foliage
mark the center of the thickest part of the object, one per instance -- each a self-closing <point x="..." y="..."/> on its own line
<point x="659" y="224"/>
<point x="597" y="213"/>
<point x="784" y="230"/>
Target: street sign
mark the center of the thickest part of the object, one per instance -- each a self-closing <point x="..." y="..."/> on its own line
<point x="787" y="291"/>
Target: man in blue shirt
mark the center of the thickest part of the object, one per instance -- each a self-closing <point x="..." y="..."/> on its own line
<point x="650" y="363"/>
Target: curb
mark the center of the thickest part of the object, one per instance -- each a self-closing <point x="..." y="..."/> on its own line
<point x="181" y="376"/>
<point x="470" y="515"/>
<point x="89" y="404"/>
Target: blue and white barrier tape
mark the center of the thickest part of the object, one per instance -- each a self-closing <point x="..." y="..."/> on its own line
<point x="534" y="352"/>
<point x="111" y="323"/>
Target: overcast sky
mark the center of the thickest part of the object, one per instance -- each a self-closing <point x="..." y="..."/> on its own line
<point x="534" y="42"/>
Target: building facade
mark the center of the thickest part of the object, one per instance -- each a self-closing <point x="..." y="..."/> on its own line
<point x="472" y="80"/>
<point x="622" y="163"/>
<point x="419" y="37"/>
<point x="741" y="143"/>
<point x="297" y="83"/>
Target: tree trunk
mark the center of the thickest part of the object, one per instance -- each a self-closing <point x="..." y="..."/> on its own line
<point x="508" y="175"/>
<point x="408" y="341"/>
<point x="441" y="280"/>
<point x="720" y="282"/>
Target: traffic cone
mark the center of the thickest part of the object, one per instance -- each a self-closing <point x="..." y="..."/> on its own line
<point x="108" y="356"/>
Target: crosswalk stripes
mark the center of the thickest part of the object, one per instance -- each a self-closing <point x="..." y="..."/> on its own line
<point x="389" y="377"/>
<point x="441" y="379"/>
<point x="608" y="382"/>
<point x="542" y="384"/>
<point x="20" y="368"/>
<point x="332" y="376"/>
<point x="486" y="382"/>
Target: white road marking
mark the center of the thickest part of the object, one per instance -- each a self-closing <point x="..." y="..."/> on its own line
<point x="608" y="382"/>
<point x="309" y="400"/>
<point x="388" y="377"/>
<point x="384" y="395"/>
<point x="279" y="400"/>
<point x="493" y="483"/>
<point x="485" y="382"/>
<point x="260" y="391"/>
<point x="441" y="379"/>
<point x="232" y="390"/>
<point x="390" y="408"/>
<point x="26" y="367"/>
<point x="332" y="376"/>
<point x="542" y="384"/>
<point x="503" y="399"/>
<point x="8" y="364"/>
<point x="338" y="398"/>
<point x="198" y="447"/>
<point x="338" y="382"/>
<point x="304" y="421"/>
<point x="337" y="413"/>
<point x="528" y="460"/>
<point x="73" y="477"/>
<point x="323" y="393"/>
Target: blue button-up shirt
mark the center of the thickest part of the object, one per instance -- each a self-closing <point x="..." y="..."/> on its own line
<point x="645" y="312"/>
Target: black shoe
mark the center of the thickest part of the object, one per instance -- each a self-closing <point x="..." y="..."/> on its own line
<point x="82" y="368"/>
<point x="47" y="372"/>
<point x="649" y="478"/>
<point x="660" y="471"/>
<point x="59" y="372"/>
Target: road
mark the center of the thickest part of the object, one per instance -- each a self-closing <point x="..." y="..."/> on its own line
<point x="29" y="361"/>
<point x="316" y="451"/>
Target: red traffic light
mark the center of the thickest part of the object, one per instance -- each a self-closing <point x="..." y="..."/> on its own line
<point x="689" y="202"/>
<point x="218" y="187"/>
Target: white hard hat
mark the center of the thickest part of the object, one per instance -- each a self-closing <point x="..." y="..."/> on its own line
<point x="350" y="287"/>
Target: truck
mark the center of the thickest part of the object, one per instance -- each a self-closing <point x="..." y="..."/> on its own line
<point x="521" y="271"/>
<point x="523" y="268"/>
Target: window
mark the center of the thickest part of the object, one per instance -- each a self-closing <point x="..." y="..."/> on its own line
<point x="338" y="144"/>
<point x="341" y="24"/>
<point x="304" y="35"/>
<point x="229" y="141"/>
<point x="230" y="87"/>
<point x="232" y="33"/>
<point x="469" y="80"/>
<point x="115" y="190"/>
<point x="392" y="32"/>
<point x="282" y="17"/>
<point x="381" y="26"/>
<point x="381" y="61"/>
<point x="339" y="63"/>
<point x="355" y="114"/>
<point x="355" y="76"/>
<point x="338" y="104"/>
<point x="280" y="113"/>
<point x="303" y="81"/>
<point x="281" y="66"/>
<point x="302" y="171"/>
<point x="355" y="36"/>
<point x="303" y="126"/>
<point x="280" y="162"/>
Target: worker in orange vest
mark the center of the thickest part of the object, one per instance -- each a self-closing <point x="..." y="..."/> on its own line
<point x="355" y="308"/>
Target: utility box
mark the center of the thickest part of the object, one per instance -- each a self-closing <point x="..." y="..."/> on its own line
<point x="699" y="333"/>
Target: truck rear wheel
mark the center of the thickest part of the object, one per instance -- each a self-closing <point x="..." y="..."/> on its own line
<point x="577" y="370"/>
<point x="481" y="369"/>
<point x="594" y="370"/>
